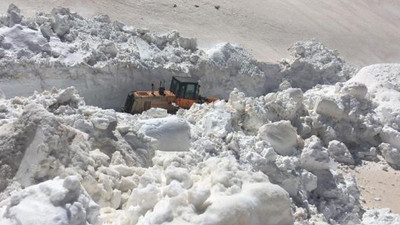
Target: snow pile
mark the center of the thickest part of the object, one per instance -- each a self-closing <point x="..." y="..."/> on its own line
<point x="298" y="138"/>
<point x="313" y="63"/>
<point x="55" y="134"/>
<point x="65" y="37"/>
<point x="268" y="155"/>
<point x="337" y="114"/>
<point x="229" y="66"/>
<point x="106" y="59"/>
<point x="303" y="168"/>
<point x="383" y="83"/>
<point x="182" y="188"/>
<point x="269" y="159"/>
<point x="58" y="201"/>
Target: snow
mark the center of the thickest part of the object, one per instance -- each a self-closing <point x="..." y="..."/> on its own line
<point x="105" y="60"/>
<point x="314" y="156"/>
<point x="57" y="201"/>
<point x="380" y="217"/>
<point x="282" y="136"/>
<point x="271" y="154"/>
<point x="166" y="129"/>
<point x="19" y="39"/>
<point x="391" y="155"/>
<point x="258" y="25"/>
<point x="340" y="153"/>
<point x="383" y="83"/>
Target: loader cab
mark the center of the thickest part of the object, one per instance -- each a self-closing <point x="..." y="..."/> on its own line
<point x="185" y="87"/>
<point x="128" y="103"/>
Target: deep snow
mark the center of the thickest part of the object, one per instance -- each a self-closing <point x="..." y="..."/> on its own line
<point x="104" y="60"/>
<point x="269" y="155"/>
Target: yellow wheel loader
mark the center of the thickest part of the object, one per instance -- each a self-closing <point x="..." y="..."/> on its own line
<point x="183" y="93"/>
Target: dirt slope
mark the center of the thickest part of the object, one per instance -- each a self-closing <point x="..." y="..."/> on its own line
<point x="379" y="185"/>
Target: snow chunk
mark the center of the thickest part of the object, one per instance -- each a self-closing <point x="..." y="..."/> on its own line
<point x="329" y="108"/>
<point x="390" y="149"/>
<point x="197" y="196"/>
<point x="338" y="151"/>
<point x="171" y="133"/>
<point x="227" y="55"/>
<point x="61" y="25"/>
<point x="14" y="15"/>
<point x="391" y="136"/>
<point x="258" y="204"/>
<point x="104" y="120"/>
<point x="216" y="122"/>
<point x="282" y="136"/>
<point x="391" y="155"/>
<point x="314" y="156"/>
<point x="109" y="49"/>
<point x="358" y="90"/>
<point x="99" y="157"/>
<point x="58" y="201"/>
<point x="188" y="43"/>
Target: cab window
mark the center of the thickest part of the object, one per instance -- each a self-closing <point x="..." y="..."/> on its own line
<point x="190" y="91"/>
<point x="181" y="92"/>
<point x="174" y="86"/>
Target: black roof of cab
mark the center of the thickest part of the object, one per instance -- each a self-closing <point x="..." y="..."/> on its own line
<point x="187" y="79"/>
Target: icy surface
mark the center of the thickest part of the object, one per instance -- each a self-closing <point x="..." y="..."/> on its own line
<point x="267" y="155"/>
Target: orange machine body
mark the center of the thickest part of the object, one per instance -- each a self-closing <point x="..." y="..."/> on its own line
<point x="183" y="93"/>
<point x="186" y="103"/>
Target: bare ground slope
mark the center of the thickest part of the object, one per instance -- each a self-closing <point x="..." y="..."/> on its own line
<point x="364" y="31"/>
<point x="379" y="185"/>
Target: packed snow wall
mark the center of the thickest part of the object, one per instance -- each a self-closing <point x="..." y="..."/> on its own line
<point x="105" y="60"/>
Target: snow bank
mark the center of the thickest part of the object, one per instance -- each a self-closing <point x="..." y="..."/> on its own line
<point x="104" y="60"/>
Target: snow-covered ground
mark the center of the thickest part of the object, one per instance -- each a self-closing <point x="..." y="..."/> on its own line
<point x="364" y="31"/>
<point x="278" y="151"/>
